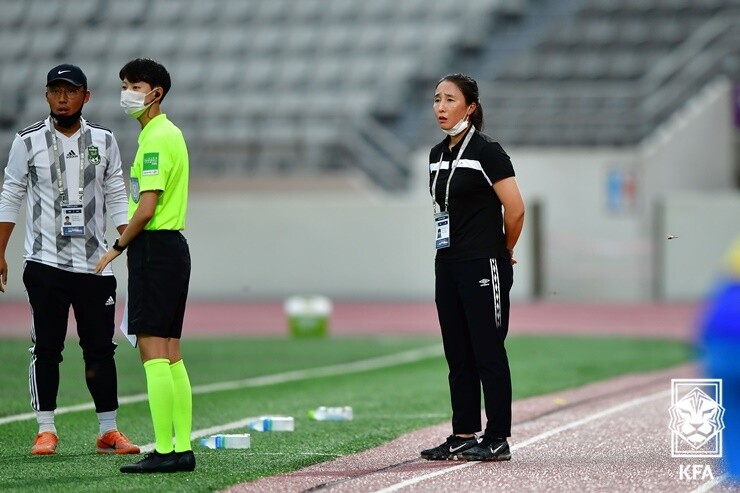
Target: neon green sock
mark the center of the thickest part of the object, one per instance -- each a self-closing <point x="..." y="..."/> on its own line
<point x="161" y="392"/>
<point x="182" y="415"/>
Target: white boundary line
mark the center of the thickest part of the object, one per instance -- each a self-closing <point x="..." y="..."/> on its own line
<point x="574" y="424"/>
<point x="387" y="361"/>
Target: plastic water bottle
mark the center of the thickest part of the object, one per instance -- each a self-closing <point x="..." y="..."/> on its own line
<point x="240" y="440"/>
<point x="272" y="423"/>
<point x="324" y="413"/>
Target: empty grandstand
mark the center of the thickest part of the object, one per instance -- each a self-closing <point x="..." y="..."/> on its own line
<point x="319" y="86"/>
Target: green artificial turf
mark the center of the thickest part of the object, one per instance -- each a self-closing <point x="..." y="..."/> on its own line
<point x="387" y="402"/>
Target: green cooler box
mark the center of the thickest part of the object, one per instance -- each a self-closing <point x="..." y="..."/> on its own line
<point x="308" y="316"/>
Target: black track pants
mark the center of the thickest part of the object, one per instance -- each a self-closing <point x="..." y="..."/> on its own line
<point x="472" y="300"/>
<point x="51" y="292"/>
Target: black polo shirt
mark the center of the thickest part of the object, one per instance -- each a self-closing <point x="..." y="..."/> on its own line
<point x="476" y="219"/>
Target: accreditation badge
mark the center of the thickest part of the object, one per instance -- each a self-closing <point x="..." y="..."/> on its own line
<point x="73" y="220"/>
<point x="442" y="223"/>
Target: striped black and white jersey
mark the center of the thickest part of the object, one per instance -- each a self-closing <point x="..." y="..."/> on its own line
<point x="31" y="172"/>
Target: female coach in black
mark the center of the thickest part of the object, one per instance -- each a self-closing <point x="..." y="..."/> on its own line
<point x="472" y="182"/>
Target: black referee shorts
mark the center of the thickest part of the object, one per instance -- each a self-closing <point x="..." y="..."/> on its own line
<point x="158" y="281"/>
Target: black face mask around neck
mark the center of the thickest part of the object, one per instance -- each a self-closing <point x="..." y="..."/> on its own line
<point x="66" y="121"/>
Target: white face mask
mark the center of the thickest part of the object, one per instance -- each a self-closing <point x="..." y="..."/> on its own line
<point x="458" y="128"/>
<point x="132" y="102"/>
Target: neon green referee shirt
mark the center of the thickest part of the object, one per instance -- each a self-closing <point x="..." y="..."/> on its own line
<point x="161" y="163"/>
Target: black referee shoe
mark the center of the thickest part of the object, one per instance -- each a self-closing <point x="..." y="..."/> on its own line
<point x="449" y="450"/>
<point x="155" y="462"/>
<point x="488" y="449"/>
<point x="185" y="461"/>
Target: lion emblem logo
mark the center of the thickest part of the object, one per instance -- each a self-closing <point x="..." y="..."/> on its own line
<point x="696" y="419"/>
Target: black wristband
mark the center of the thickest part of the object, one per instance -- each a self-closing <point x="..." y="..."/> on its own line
<point x="117" y="247"/>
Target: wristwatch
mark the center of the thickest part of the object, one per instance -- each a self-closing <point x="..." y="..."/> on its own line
<point x="117" y="247"/>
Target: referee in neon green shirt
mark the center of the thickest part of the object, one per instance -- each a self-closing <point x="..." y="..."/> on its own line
<point x="158" y="264"/>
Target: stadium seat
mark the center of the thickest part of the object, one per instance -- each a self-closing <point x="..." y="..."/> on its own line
<point x="305" y="11"/>
<point x="301" y="40"/>
<point x="231" y="40"/>
<point x="92" y="42"/>
<point x="292" y="73"/>
<point x="196" y="42"/>
<point x="41" y="13"/>
<point x="42" y="37"/>
<point x="379" y="10"/>
<point x="13" y="44"/>
<point x="166" y="12"/>
<point x="201" y="13"/>
<point x="343" y="11"/>
<point x="327" y="72"/>
<point x="556" y="65"/>
<point x="221" y="74"/>
<point x="128" y="42"/>
<point x="265" y="40"/>
<point x="272" y="12"/>
<point x="371" y="38"/>
<point x="14" y="13"/>
<point x="164" y="42"/>
<point x="78" y="12"/>
<point x="233" y="12"/>
<point x="334" y="39"/>
<point x="129" y="12"/>
<point x="257" y="73"/>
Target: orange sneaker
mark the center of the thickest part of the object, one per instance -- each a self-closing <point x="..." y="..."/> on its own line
<point x="46" y="444"/>
<point x="115" y="442"/>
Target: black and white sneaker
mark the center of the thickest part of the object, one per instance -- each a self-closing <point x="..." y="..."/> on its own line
<point x="488" y="449"/>
<point x="449" y="450"/>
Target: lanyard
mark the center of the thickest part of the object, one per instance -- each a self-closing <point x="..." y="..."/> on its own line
<point x="452" y="170"/>
<point x="81" y="147"/>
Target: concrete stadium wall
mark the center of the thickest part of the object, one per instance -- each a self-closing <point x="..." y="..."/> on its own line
<point x="260" y="246"/>
<point x="601" y="242"/>
<point x="705" y="226"/>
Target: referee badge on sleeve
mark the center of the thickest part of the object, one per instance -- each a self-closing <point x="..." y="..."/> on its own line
<point x="135" y="189"/>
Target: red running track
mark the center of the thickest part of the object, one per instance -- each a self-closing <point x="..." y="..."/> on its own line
<point x="217" y="318"/>
<point x="606" y="437"/>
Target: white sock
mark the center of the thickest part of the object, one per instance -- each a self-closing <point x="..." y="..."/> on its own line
<point x="45" y="419"/>
<point x="107" y="422"/>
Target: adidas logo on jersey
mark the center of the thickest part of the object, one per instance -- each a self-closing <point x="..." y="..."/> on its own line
<point x="110" y="301"/>
<point x="71" y="154"/>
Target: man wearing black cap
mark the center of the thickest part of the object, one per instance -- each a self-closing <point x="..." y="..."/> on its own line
<point x="69" y="171"/>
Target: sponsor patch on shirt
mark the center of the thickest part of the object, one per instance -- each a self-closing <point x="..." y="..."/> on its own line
<point x="151" y="164"/>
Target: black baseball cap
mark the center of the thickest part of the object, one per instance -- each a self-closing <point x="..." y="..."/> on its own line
<point x="67" y="72"/>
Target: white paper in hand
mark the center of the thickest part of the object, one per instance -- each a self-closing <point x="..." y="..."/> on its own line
<point x="124" y="324"/>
